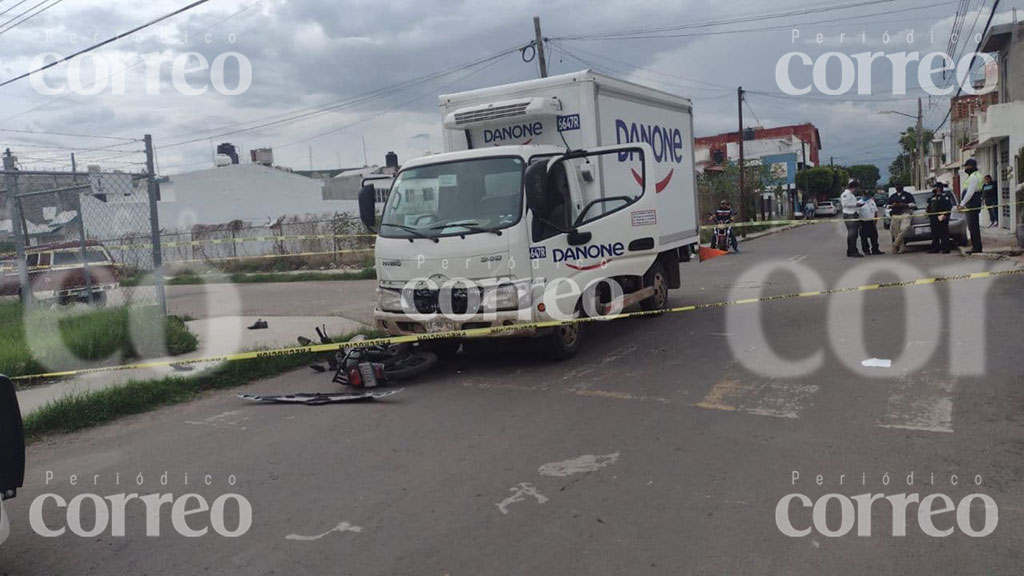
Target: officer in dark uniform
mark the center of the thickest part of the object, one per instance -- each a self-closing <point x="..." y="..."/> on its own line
<point x="939" y="207"/>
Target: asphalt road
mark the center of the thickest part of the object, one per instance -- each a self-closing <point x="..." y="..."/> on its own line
<point x="352" y="299"/>
<point x="663" y="448"/>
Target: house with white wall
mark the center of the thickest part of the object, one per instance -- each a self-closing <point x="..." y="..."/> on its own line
<point x="247" y="192"/>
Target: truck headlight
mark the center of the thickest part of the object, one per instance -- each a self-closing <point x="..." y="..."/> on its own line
<point x="509" y="296"/>
<point x="389" y="300"/>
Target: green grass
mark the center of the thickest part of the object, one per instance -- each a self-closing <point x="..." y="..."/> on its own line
<point x="61" y="339"/>
<point x="76" y="412"/>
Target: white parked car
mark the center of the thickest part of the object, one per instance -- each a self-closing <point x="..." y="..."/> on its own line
<point x="825" y="208"/>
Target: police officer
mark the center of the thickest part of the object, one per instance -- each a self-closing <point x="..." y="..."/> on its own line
<point x="850" y="203"/>
<point x="970" y="204"/>
<point x="901" y="206"/>
<point x="868" y="213"/>
<point x="939" y="207"/>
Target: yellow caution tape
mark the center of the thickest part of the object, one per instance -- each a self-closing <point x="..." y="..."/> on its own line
<point x="841" y="219"/>
<point x="499" y="330"/>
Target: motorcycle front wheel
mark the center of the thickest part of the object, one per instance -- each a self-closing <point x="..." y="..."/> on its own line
<point x="410" y="365"/>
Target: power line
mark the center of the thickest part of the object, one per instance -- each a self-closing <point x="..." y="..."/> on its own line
<point x="394" y="107"/>
<point x="754" y="18"/>
<point x="758" y="28"/>
<point x="68" y="134"/>
<point x="135" y="65"/>
<point x="7" y="28"/>
<point x="105" y="42"/>
<point x="308" y="112"/>
<point x="13" y="7"/>
<point x="960" y="88"/>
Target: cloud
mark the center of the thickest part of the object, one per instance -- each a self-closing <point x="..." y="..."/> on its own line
<point x="306" y="54"/>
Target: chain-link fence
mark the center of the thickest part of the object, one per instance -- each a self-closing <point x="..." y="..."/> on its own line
<point x="290" y="243"/>
<point x="71" y="236"/>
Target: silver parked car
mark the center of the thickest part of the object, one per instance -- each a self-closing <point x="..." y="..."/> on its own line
<point x="920" y="229"/>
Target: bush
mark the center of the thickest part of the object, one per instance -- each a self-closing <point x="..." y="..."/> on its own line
<point x="110" y="333"/>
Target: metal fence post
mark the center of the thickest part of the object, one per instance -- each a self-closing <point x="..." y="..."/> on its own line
<point x="154" y="226"/>
<point x="81" y="233"/>
<point x="17" y="229"/>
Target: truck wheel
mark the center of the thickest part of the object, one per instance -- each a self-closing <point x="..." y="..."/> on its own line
<point x="564" y="341"/>
<point x="657" y="278"/>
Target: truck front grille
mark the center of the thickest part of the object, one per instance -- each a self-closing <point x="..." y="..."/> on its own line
<point x="428" y="301"/>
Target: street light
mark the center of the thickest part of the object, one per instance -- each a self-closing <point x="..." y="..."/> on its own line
<point x="919" y="174"/>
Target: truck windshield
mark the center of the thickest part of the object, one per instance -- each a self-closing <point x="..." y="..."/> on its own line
<point x="463" y="197"/>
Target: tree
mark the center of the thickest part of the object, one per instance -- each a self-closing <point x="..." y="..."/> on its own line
<point x="868" y="174"/>
<point x="822" y="182"/>
<point x="901" y="170"/>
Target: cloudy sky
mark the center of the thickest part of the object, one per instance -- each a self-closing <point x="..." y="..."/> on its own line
<point x="327" y="75"/>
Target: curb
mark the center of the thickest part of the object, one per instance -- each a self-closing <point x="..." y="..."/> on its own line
<point x="769" y="232"/>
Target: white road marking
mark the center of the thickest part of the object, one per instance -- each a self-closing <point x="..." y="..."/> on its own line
<point x="775" y="399"/>
<point x="781" y="400"/>
<point x="224" y="419"/>
<point x="876" y="363"/>
<point x="343" y="527"/>
<point x="519" y="493"/>
<point x="579" y="465"/>
<point x="924" y="403"/>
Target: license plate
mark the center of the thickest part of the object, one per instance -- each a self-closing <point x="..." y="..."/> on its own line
<point x="440" y="325"/>
<point x="923" y="229"/>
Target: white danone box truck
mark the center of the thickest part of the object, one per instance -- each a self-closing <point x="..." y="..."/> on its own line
<point x="556" y="198"/>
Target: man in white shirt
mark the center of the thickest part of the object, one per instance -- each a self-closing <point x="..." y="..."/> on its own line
<point x="848" y="200"/>
<point x="970" y="204"/>
<point x="868" y="213"/>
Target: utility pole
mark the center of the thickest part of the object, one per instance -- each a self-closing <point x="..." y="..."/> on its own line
<point x="154" y="228"/>
<point x="922" y="167"/>
<point x="11" y="181"/>
<point x="743" y="197"/>
<point x="81" y="231"/>
<point x="541" y="61"/>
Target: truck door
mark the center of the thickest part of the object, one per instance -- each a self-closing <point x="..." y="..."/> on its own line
<point x="580" y="233"/>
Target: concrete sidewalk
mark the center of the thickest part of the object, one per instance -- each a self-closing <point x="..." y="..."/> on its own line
<point x="996" y="242"/>
<point x="217" y="337"/>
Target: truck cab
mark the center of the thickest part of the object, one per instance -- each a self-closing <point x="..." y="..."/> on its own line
<point x="566" y="197"/>
<point x="516" y="235"/>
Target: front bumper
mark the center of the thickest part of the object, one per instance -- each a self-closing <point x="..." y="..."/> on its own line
<point x="504" y="323"/>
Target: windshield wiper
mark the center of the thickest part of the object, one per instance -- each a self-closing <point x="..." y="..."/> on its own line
<point x="467" y="225"/>
<point x="411" y="230"/>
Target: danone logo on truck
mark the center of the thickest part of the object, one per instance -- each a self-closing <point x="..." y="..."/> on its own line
<point x="514" y="132"/>
<point x="590" y="252"/>
<point x="666" y="143"/>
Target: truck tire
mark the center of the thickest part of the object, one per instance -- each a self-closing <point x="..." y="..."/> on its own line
<point x="656" y="277"/>
<point x="564" y="341"/>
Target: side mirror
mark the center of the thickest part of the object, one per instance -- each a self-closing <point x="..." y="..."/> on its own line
<point x="577" y="238"/>
<point x="535" y="185"/>
<point x="12" y="441"/>
<point x="368" y="207"/>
